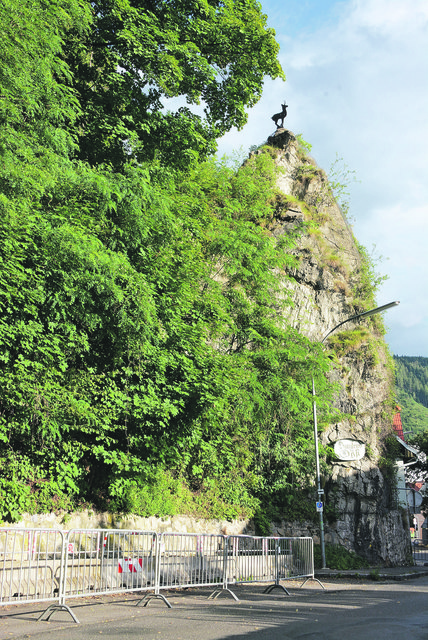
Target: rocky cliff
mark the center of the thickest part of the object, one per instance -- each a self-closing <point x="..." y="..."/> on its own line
<point x="330" y="285"/>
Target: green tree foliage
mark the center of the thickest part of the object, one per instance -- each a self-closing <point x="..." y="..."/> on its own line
<point x="143" y="349"/>
<point x="414" y="414"/>
<point x="412" y="377"/>
<point x="412" y="391"/>
<point x="37" y="103"/>
<point x="147" y="336"/>
<point x="139" y="55"/>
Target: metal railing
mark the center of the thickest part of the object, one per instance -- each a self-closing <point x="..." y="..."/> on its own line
<point x="191" y="560"/>
<point x="40" y="566"/>
<point x="268" y="559"/>
<point x="109" y="561"/>
<point x="420" y="548"/>
<point x="31" y="565"/>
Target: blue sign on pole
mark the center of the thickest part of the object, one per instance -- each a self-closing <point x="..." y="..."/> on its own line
<point x="319" y="506"/>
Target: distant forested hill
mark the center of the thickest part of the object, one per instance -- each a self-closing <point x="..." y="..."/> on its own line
<point x="412" y="391"/>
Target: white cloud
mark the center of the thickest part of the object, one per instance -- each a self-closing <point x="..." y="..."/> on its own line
<point x="386" y="16"/>
<point x="358" y="87"/>
<point x="408" y="267"/>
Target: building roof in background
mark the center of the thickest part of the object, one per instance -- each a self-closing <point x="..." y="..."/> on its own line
<point x="397" y="424"/>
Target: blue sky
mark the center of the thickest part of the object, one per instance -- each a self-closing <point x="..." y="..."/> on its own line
<point x="357" y="88"/>
<point x="303" y="16"/>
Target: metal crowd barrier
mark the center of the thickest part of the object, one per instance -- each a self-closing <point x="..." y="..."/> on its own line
<point x="191" y="560"/>
<point x="252" y="559"/>
<point x="31" y="565"/>
<point x="294" y="561"/>
<point x="269" y="559"/>
<point x="40" y="566"/>
<point x="107" y="561"/>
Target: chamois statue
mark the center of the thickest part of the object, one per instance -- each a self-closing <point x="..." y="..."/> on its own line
<point x="280" y="116"/>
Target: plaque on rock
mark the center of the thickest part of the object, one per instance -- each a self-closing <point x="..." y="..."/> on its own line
<point x="349" y="449"/>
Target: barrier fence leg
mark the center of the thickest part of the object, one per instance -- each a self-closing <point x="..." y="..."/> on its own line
<point x="277" y="584"/>
<point x="215" y="594"/>
<point x="151" y="596"/>
<point x="315" y="580"/>
<point x="312" y="576"/>
<point x="53" y="609"/>
<point x="60" y="605"/>
<point x="157" y="594"/>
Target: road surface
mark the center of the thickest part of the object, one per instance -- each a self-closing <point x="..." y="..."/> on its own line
<point x="351" y="610"/>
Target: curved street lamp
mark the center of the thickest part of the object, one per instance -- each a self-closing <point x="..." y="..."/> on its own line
<point x="320" y="491"/>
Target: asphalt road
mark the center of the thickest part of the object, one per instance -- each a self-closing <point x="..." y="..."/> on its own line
<point x="344" y="611"/>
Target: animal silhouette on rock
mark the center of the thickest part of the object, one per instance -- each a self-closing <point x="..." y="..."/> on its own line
<point x="280" y="116"/>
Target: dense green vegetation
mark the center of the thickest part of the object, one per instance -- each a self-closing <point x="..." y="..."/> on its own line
<point x="338" y="557"/>
<point x="412" y="391"/>
<point x="144" y="362"/>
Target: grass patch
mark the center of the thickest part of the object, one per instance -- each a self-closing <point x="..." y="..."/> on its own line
<point x="337" y="557"/>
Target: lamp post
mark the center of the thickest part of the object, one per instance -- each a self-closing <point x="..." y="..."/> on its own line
<point x="320" y="491"/>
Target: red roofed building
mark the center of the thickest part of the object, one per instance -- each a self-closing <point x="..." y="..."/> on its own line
<point x="397" y="424"/>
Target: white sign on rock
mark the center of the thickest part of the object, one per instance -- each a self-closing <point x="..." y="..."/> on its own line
<point x="349" y="449"/>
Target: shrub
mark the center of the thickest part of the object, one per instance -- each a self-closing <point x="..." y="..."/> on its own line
<point x="337" y="557"/>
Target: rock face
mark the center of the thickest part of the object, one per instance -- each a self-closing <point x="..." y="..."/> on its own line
<point x="328" y="288"/>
